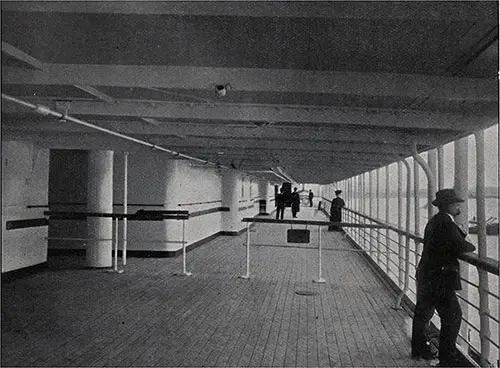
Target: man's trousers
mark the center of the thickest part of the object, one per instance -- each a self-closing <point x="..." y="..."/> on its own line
<point x="450" y="314"/>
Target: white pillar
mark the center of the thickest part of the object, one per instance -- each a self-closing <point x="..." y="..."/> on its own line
<point x="100" y="199"/>
<point x="482" y="249"/>
<point x="440" y="181"/>
<point x="431" y="184"/>
<point x="230" y="220"/>
<point x="462" y="190"/>
<point x="263" y="193"/>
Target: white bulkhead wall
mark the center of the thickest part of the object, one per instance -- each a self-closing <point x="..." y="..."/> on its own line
<point x="25" y="173"/>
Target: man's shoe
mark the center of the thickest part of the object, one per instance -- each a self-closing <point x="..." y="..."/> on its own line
<point x="452" y="362"/>
<point x="426" y="354"/>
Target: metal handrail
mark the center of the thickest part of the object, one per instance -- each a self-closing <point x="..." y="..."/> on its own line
<point x="139" y="215"/>
<point x="485" y="263"/>
<point x="195" y="203"/>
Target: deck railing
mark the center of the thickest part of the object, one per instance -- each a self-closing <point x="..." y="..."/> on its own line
<point x="396" y="252"/>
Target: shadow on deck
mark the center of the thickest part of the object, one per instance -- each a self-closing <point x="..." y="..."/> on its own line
<point x="67" y="315"/>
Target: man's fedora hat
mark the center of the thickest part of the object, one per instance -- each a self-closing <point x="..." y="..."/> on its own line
<point x="338" y="191"/>
<point x="446" y="196"/>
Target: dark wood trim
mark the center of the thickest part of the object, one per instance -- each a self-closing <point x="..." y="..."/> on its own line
<point x="26" y="223"/>
<point x="207" y="211"/>
<point x="195" y="203"/>
<point x="66" y="251"/>
<point x="114" y="204"/>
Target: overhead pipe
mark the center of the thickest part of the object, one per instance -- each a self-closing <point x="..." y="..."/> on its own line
<point x="47" y="111"/>
<point x="283" y="173"/>
<point x="432" y="161"/>
<point x="271" y="171"/>
<point x="431" y="178"/>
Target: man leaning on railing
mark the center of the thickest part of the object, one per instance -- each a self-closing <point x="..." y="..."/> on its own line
<point x="438" y="276"/>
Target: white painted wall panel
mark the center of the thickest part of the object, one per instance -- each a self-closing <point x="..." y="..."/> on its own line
<point x="24" y="182"/>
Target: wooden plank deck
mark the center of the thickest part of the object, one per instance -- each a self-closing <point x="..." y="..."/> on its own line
<point x="70" y="316"/>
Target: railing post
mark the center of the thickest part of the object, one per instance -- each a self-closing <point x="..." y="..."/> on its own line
<point x="462" y="190"/>
<point x="440" y="152"/>
<point x="378" y="214"/>
<point x="400" y="224"/>
<point x="115" y="246"/>
<point x="387" y="240"/>
<point x="363" y="201"/>
<point x="247" y="275"/>
<point x="416" y="197"/>
<point x="431" y="186"/>
<point x="115" y="260"/>
<point x="484" y="331"/>
<point x="370" y="210"/>
<point x="184" y="271"/>
<point x="407" y="242"/>
<point x="320" y="279"/>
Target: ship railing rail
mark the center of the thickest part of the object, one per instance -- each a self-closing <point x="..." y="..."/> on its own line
<point x="396" y="253"/>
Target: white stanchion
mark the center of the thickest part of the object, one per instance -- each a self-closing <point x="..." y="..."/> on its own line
<point x="115" y="245"/>
<point x="320" y="279"/>
<point x="184" y="270"/>
<point x="247" y="275"/>
<point x="125" y="206"/>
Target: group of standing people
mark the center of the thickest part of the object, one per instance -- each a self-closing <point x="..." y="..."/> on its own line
<point x="281" y="203"/>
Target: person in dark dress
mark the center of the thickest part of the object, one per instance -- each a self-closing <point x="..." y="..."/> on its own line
<point x="438" y="277"/>
<point x="311" y="196"/>
<point x="280" y="204"/>
<point x="336" y="211"/>
<point x="295" y="199"/>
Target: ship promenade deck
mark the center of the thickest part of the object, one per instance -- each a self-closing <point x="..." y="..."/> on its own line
<point x="67" y="315"/>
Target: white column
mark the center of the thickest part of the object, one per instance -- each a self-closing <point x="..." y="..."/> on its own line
<point x="431" y="184"/>
<point x="263" y="193"/>
<point x="462" y="190"/>
<point x="400" y="223"/>
<point x="100" y="199"/>
<point x="482" y="249"/>
<point x="230" y="220"/>
<point x="440" y="181"/>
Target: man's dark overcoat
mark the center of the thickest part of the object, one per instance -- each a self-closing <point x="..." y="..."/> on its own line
<point x="444" y="241"/>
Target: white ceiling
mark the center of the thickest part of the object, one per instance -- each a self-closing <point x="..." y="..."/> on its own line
<point x="324" y="90"/>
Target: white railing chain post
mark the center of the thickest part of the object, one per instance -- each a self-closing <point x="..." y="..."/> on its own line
<point x="247" y="275"/>
<point x="115" y="247"/>
<point x="320" y="279"/>
<point x="184" y="268"/>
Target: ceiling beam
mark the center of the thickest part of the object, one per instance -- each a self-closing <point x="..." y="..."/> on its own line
<point x="459" y="11"/>
<point x="256" y="80"/>
<point x="17" y="54"/>
<point x="325" y="117"/>
<point x="95" y="92"/>
<point x="187" y="130"/>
